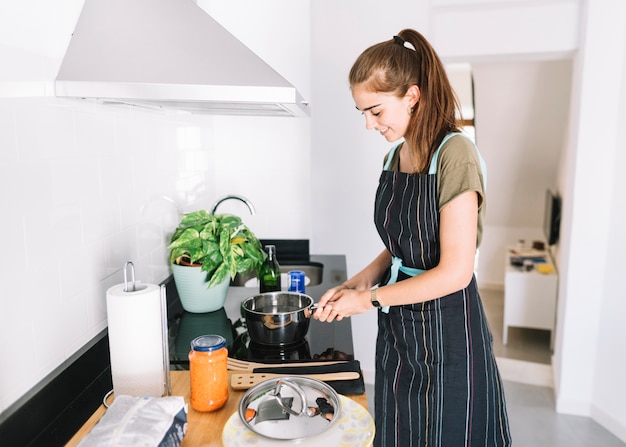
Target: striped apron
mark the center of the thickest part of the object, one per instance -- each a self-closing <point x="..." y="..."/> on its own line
<point x="437" y="382"/>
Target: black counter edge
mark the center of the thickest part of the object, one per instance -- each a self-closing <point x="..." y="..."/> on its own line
<point x="63" y="401"/>
<point x="53" y="410"/>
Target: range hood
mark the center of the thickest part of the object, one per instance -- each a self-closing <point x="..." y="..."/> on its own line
<point x="171" y="55"/>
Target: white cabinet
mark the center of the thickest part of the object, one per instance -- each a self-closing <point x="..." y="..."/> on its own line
<point x="529" y="298"/>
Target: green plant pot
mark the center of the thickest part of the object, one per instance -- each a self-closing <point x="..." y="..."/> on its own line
<point x="193" y="292"/>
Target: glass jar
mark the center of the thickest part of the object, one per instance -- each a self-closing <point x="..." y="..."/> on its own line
<point x="208" y="370"/>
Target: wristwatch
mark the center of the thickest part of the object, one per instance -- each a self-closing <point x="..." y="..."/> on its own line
<point x="375" y="301"/>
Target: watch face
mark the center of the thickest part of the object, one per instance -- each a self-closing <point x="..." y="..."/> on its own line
<point x="376" y="303"/>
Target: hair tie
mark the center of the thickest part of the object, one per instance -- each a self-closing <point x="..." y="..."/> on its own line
<point x="400" y="41"/>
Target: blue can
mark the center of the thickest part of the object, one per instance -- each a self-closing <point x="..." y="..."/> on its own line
<point x="296" y="281"/>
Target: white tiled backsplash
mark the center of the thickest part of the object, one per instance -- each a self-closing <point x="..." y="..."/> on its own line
<point x="85" y="187"/>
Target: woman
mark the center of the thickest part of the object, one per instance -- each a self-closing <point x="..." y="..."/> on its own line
<point x="437" y="382"/>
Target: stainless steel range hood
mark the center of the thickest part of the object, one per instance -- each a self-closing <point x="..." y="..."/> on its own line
<point x="169" y="54"/>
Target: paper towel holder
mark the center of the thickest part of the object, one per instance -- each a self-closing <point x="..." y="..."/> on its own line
<point x="129" y="266"/>
<point x="130" y="288"/>
<point x="166" y="349"/>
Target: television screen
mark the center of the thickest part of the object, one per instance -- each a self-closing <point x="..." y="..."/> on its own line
<point x="552" y="217"/>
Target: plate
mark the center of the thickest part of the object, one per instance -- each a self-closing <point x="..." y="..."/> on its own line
<point x="354" y="428"/>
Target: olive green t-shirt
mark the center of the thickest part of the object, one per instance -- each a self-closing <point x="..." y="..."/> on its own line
<point x="458" y="171"/>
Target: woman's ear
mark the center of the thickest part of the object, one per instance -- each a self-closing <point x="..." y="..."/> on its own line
<point x="413" y="95"/>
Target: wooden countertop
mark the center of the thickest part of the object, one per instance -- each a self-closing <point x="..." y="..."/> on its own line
<point x="201" y="426"/>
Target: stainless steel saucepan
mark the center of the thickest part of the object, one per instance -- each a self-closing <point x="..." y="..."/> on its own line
<point x="278" y="318"/>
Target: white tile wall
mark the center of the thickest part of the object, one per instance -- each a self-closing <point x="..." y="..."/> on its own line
<point x="84" y="188"/>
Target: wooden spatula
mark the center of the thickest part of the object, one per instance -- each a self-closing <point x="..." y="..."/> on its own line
<point x="245" y="381"/>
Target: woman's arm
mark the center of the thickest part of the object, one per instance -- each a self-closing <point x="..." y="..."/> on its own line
<point x="457" y="227"/>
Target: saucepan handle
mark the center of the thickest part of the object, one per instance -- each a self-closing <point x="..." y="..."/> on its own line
<point x="310" y="310"/>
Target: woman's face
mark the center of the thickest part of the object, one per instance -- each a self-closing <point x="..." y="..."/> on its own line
<point x="385" y="112"/>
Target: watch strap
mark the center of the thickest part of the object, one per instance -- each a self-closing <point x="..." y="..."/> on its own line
<point x="374" y="298"/>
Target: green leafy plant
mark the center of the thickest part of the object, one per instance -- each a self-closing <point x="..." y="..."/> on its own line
<point x="221" y="243"/>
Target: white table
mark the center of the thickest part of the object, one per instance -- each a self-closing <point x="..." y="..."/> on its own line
<point x="529" y="298"/>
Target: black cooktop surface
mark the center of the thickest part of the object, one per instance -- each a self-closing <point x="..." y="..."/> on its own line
<point x="324" y="341"/>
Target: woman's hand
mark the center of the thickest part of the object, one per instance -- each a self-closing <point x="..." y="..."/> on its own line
<point x="353" y="296"/>
<point x="324" y="305"/>
<point x="340" y="302"/>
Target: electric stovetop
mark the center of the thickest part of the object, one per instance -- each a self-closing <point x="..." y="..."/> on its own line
<point x="324" y="341"/>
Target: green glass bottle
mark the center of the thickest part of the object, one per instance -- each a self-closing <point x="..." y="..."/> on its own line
<point x="269" y="273"/>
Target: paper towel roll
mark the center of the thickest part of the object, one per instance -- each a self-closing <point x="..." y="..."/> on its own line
<point x="136" y="340"/>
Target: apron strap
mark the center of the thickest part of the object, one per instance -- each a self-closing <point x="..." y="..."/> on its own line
<point x="432" y="169"/>
<point x="390" y="157"/>
<point x="433" y="163"/>
<point x="396" y="267"/>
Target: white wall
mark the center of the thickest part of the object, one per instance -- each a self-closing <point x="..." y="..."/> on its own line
<point x="267" y="159"/>
<point x="589" y="366"/>
<point x="608" y="400"/>
<point x="511" y="29"/>
<point x="522" y="110"/>
<point x="84" y="188"/>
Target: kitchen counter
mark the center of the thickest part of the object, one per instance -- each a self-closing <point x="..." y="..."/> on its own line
<point x="70" y="396"/>
<point x="203" y="429"/>
<point x="323" y="340"/>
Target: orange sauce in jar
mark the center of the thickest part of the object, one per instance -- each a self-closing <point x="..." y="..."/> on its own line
<point x="208" y="372"/>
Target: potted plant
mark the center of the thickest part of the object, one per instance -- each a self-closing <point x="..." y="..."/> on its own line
<point x="206" y="252"/>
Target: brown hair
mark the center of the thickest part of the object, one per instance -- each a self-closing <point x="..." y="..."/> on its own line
<point x="391" y="67"/>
